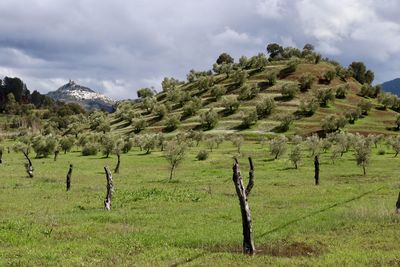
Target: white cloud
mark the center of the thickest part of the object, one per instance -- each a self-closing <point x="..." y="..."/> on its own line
<point x="272" y="9"/>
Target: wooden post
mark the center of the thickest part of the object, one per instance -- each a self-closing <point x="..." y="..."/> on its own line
<point x="28" y="166"/>
<point x="316" y="165"/>
<point x="56" y="154"/>
<point x="118" y="163"/>
<point x="107" y="201"/>
<point x="69" y="174"/>
<point x="242" y="193"/>
<point x="398" y="205"/>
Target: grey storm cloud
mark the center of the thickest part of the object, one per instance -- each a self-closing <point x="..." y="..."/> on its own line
<point x="116" y="47"/>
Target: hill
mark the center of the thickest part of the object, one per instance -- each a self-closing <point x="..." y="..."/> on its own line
<point x="88" y="98"/>
<point x="392" y="86"/>
<point x="185" y="102"/>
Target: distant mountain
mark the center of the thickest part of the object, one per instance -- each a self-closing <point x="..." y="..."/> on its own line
<point x="392" y="86"/>
<point x="88" y="98"/>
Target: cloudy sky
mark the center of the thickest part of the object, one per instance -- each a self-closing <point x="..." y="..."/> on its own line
<point x="118" y="46"/>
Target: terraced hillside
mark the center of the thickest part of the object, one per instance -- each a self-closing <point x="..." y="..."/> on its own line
<point x="378" y="120"/>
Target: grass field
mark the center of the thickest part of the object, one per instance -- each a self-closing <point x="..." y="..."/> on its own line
<point x="194" y="220"/>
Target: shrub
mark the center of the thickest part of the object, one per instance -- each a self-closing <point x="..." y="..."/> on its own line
<point x="202" y="155"/>
<point x="324" y="96"/>
<point x="239" y="77"/>
<point x="364" y="106"/>
<point x="271" y="78"/>
<point x="265" y="107"/>
<point x="332" y="123"/>
<point x="286" y="120"/>
<point x="381" y="152"/>
<point x="160" y="111"/>
<point x="90" y="149"/>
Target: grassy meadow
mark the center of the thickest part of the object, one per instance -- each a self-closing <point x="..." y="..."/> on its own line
<point x="195" y="220"/>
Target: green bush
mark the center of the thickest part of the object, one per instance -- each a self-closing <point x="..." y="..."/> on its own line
<point x="202" y="155"/>
<point x="90" y="149"/>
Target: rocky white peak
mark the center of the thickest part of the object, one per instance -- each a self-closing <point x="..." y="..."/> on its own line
<point x="90" y="99"/>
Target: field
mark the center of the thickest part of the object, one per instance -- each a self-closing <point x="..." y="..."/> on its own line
<point x="194" y="220"/>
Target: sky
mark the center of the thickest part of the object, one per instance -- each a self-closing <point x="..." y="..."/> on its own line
<point x="119" y="46"/>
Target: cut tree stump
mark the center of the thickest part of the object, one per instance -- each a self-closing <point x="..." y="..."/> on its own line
<point x="69" y="174"/>
<point x="107" y="201"/>
<point x="28" y="166"/>
<point x="316" y="166"/>
<point x="242" y="193"/>
<point x="398" y="205"/>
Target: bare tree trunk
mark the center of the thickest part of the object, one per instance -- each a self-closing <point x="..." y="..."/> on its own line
<point x="316" y="165"/>
<point x="118" y="164"/>
<point x="1" y="156"/>
<point x="69" y="174"/>
<point x="242" y="193"/>
<point x="398" y="205"/>
<point x="107" y="201"/>
<point x="364" y="170"/>
<point x="56" y="154"/>
<point x="28" y="166"/>
<point x="171" y="173"/>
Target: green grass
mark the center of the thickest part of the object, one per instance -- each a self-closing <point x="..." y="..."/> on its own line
<point x="195" y="220"/>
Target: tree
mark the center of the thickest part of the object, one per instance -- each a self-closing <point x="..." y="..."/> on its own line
<point x="295" y="155"/>
<point x="11" y="106"/>
<point x="265" y="107"/>
<point x="148" y="142"/>
<point x="286" y="120"/>
<point x="362" y="150"/>
<point x="248" y="92"/>
<point x="230" y="103"/>
<point x="44" y="145"/>
<point x="289" y="90"/>
<point x="90" y="149"/>
<point x="271" y="78"/>
<point x="329" y="75"/>
<point x="160" y="111"/>
<point x="278" y="146"/>
<point x="217" y="91"/>
<point x="386" y="100"/>
<point x="209" y="119"/>
<point x="149" y="103"/>
<point x="274" y="50"/>
<point x="398" y="122"/>
<point x="224" y="58"/>
<point x="364" y="106"/>
<point x="237" y="141"/>
<point x="314" y="144"/>
<point x="324" y="96"/>
<point x="170" y="83"/>
<point x="342" y="91"/>
<point x="306" y="81"/>
<point x="248" y="118"/>
<point x="352" y="115"/>
<point x="174" y="154"/>
<point x="66" y="143"/>
<point x="117" y="150"/>
<point x="360" y="73"/>
<point x="172" y="122"/>
<point x="138" y="124"/>
<point x="191" y="107"/>
<point x="239" y="77"/>
<point x="107" y="142"/>
<point x="145" y="92"/>
<point x="308" y="108"/>
<point x="332" y="123"/>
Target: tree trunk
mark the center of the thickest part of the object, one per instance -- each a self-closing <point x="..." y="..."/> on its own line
<point x="171" y="173"/>
<point x="56" y="155"/>
<point x="69" y="174"/>
<point x="28" y="166"/>
<point x="1" y="156"/>
<point x="118" y="164"/>
<point x="398" y="205"/>
<point x="107" y="201"/>
<point x="242" y="193"/>
<point x="316" y="166"/>
<point x="364" y="170"/>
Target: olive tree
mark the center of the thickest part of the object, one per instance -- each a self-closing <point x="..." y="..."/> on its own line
<point x="278" y="146"/>
<point x="362" y="151"/>
<point x="265" y="107"/>
<point x="295" y="155"/>
<point x="209" y="119"/>
<point x="175" y="153"/>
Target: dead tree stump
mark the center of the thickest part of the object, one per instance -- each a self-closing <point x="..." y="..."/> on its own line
<point x="118" y="164"/>
<point x="316" y="165"/>
<point x="107" y="201"/>
<point x="69" y="174"/>
<point x="242" y="193"/>
<point x="398" y="205"/>
<point x="28" y="166"/>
